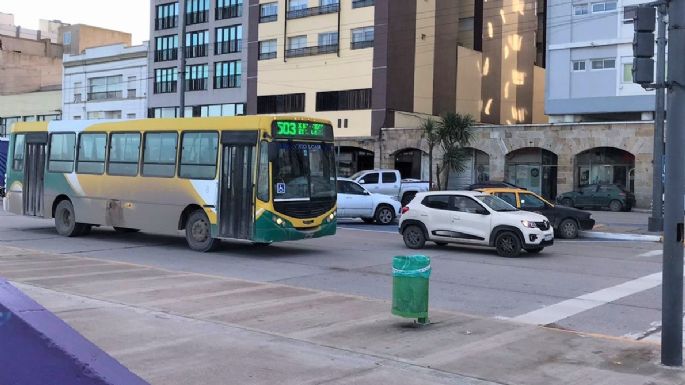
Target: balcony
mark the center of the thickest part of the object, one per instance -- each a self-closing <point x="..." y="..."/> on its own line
<point x="107" y="95"/>
<point x="196" y="84"/>
<point x="196" y="50"/>
<point x="267" y="55"/>
<point x="313" y="11"/>
<point x="229" y="12"/>
<point x="231" y="46"/>
<point x="311" y="51"/>
<point x="268" y="18"/>
<point x="197" y="17"/>
<point x="361" y="44"/>
<point x="230" y="81"/>
<point x="166" y="54"/>
<point x="363" y="3"/>
<point x="166" y="22"/>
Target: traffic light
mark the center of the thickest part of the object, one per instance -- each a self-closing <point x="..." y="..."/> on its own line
<point x="643" y="45"/>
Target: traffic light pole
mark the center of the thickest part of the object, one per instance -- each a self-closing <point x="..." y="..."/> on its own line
<point x="672" y="288"/>
<point x="656" y="221"/>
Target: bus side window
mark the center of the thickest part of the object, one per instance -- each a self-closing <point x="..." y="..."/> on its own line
<point x="263" y="178"/>
<point x="91" y="154"/>
<point x="18" y="153"/>
<point x="159" y="156"/>
<point x="62" y="148"/>
<point x="198" y="155"/>
<point x="124" y="152"/>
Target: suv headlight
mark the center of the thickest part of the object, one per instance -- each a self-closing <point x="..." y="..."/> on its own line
<point x="529" y="224"/>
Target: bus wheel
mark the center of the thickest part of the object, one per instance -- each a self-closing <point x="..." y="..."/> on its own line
<point x="125" y="230"/>
<point x="65" y="220"/>
<point x="199" y="234"/>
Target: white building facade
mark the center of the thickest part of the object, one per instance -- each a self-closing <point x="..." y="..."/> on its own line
<point x="589" y="62"/>
<point x="108" y="82"/>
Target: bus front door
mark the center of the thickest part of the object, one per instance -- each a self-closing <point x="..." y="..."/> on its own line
<point x="236" y="213"/>
<point x="34" y="174"/>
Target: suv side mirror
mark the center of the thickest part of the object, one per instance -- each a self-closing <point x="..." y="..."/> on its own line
<point x="482" y="211"/>
<point x="366" y="192"/>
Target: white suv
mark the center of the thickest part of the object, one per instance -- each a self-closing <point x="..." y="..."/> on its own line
<point x="471" y="217"/>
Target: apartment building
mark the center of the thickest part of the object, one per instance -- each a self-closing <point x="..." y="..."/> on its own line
<point x="590" y="61"/>
<point x="108" y="82"/>
<point x="211" y="33"/>
<point x="367" y="65"/>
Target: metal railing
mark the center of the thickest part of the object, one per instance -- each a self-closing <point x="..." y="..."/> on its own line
<point x="267" y="55"/>
<point x="311" y="51"/>
<point x="361" y="44"/>
<point x="229" y="81"/>
<point x="313" y="11"/>
<point x="166" y="54"/>
<point x="268" y="18"/>
<point x="104" y="95"/>
<point x="363" y="3"/>
<point x="196" y="50"/>
<point x="197" y="17"/>
<point x="166" y="22"/>
<point x="196" y="84"/>
<point x="165" y="87"/>
<point x="231" y="46"/>
<point x="229" y="12"/>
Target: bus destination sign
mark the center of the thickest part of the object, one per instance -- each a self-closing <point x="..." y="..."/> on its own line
<point x="300" y="129"/>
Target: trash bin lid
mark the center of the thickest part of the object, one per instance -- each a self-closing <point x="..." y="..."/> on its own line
<point x="411" y="266"/>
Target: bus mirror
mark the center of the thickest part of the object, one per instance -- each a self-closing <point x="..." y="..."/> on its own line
<point x="273" y="151"/>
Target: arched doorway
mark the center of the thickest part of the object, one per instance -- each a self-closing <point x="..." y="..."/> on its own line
<point x="533" y="168"/>
<point x="605" y="165"/>
<point x="409" y="162"/>
<point x="353" y="159"/>
<point x="476" y="169"/>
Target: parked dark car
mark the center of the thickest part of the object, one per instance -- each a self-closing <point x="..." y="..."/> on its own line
<point x="566" y="221"/>
<point x="493" y="184"/>
<point x="597" y="196"/>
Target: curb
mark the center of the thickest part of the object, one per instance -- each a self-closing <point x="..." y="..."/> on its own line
<point x="620" y="237"/>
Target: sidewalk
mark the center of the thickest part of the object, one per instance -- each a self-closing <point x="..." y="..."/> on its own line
<point x="630" y="226"/>
<point x="183" y="328"/>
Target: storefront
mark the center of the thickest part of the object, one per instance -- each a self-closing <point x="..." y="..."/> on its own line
<point x="533" y="168"/>
<point x="605" y="165"/>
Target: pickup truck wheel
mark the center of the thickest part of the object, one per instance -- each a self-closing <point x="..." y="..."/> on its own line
<point x="384" y="215"/>
<point x="368" y="220"/>
<point x="407" y="197"/>
<point x="413" y="236"/>
<point x="508" y="244"/>
<point x="568" y="229"/>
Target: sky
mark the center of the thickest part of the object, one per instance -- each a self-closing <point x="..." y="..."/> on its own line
<point x="131" y="16"/>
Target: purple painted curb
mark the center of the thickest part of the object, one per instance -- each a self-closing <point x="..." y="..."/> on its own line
<point x="38" y="348"/>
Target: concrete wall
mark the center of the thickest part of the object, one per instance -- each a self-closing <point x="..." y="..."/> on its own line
<point x="86" y="36"/>
<point x="31" y="47"/>
<point x="20" y="73"/>
<point x="469" y="85"/>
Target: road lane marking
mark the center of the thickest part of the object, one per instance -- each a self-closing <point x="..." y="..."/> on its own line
<point x="559" y="311"/>
<point x="653" y="253"/>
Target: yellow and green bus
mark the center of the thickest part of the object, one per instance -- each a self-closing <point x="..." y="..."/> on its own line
<point x="262" y="179"/>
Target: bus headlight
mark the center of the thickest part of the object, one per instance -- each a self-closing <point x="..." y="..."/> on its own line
<point x="279" y="221"/>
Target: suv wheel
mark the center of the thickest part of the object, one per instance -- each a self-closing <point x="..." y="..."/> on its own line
<point x="508" y="244"/>
<point x="413" y="236"/>
<point x="615" y="206"/>
<point x="384" y="215"/>
<point x="568" y="229"/>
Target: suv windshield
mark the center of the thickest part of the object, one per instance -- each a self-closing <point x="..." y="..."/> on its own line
<point x="303" y="171"/>
<point x="496" y="203"/>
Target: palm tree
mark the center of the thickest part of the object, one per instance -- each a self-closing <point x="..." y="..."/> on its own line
<point x="432" y="136"/>
<point x="454" y="132"/>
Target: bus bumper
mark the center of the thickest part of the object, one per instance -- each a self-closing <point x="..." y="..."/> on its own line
<point x="267" y="230"/>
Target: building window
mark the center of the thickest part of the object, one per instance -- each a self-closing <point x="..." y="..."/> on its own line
<point x="124" y="153"/>
<point x="267" y="49"/>
<point x="605" y="6"/>
<point x="104" y="115"/>
<point x="197" y="11"/>
<point x="131" y="116"/>
<point x="299" y="8"/>
<point x="196" y="77"/>
<point x="580" y="9"/>
<point x="297" y="5"/>
<point x="159" y="154"/>
<point x="196" y="44"/>
<point x="227" y="74"/>
<point x="297" y="42"/>
<point x="627" y="72"/>
<point x="91" y="154"/>
<point x="229" y="39"/>
<point x="603" y="64"/>
<point x="47" y="118"/>
<point x="166" y="48"/>
<point x="166" y="80"/>
<point x="67" y="38"/>
<point x="131" y="89"/>
<point x="297" y="45"/>
<point x="62" y="147"/>
<point x="164" y="112"/>
<point x="629" y="14"/>
<point x="78" y="96"/>
<point x="268" y="12"/>
<point x="579" y="65"/>
<point x="105" y="88"/>
<point x="198" y="155"/>
<point x="226" y="9"/>
<point x="278" y="104"/>
<point x="166" y="16"/>
<point x="230" y="109"/>
<point x="344" y="100"/>
<point x="328" y="39"/>
<point x="362" y="38"/>
<point x="362" y="3"/>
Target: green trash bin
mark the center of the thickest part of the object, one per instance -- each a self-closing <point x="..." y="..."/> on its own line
<point x="410" y="275"/>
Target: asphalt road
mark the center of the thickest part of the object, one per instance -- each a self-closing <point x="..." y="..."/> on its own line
<point x="592" y="286"/>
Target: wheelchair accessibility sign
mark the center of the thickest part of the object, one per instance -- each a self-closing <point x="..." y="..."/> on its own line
<point x="280" y="188"/>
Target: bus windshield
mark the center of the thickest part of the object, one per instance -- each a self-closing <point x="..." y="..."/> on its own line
<point x="304" y="171"/>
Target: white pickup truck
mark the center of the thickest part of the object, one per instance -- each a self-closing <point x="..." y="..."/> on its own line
<point x="389" y="182"/>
